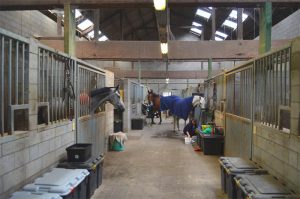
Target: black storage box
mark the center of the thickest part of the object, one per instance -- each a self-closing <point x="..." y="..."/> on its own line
<point x="137" y="124"/>
<point x="211" y="144"/>
<point x="79" y="152"/>
<point x="94" y="166"/>
<point x="118" y="126"/>
<point x="230" y="167"/>
<point x="261" y="187"/>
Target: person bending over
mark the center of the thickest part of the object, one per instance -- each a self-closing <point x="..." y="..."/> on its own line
<point x="190" y="128"/>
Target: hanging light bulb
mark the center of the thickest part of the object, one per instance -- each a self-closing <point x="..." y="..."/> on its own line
<point x="164" y="48"/>
<point x="160" y="4"/>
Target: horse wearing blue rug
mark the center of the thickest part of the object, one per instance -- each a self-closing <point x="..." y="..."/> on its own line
<point x="178" y="107"/>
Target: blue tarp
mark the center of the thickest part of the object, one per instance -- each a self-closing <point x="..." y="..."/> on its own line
<point x="177" y="106"/>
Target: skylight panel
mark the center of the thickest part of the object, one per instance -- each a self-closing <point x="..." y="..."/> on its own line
<point x="91" y="34"/>
<point x="219" y="39"/>
<point x="230" y="24"/>
<point x="221" y="34"/>
<point x="196" y="31"/>
<point x="233" y="14"/>
<point x="203" y="13"/>
<point x="103" y="38"/>
<point x="85" y="24"/>
<point x="77" y="13"/>
<point x="196" y="24"/>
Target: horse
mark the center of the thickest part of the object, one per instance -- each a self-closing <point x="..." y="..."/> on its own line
<point x="106" y="94"/>
<point x="178" y="107"/>
<point x="154" y="101"/>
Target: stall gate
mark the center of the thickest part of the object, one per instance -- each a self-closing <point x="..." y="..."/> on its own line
<point x="14" y="81"/>
<point x="256" y="91"/>
<point x="90" y="126"/>
<point x="58" y="71"/>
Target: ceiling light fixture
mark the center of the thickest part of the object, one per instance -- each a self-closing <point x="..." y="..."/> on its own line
<point x="160" y="4"/>
<point x="164" y="48"/>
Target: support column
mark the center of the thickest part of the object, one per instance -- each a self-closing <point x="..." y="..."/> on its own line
<point x="69" y="30"/>
<point x="139" y="72"/>
<point x="213" y="23"/>
<point x="240" y="23"/>
<point x="265" y="27"/>
<point x="59" y="26"/>
<point x="96" y="24"/>
<point x="209" y="69"/>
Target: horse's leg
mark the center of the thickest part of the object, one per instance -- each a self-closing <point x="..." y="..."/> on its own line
<point x="174" y="122"/>
<point x="159" y="117"/>
<point x="178" y="123"/>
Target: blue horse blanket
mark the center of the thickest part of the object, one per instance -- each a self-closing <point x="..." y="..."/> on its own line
<point x="178" y="106"/>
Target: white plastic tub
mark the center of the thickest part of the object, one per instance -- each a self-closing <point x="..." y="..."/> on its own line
<point x="67" y="183"/>
<point x="187" y="140"/>
<point x="30" y="195"/>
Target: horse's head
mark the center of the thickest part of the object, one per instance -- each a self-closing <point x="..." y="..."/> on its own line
<point x="110" y="94"/>
<point x="115" y="99"/>
<point x="150" y="96"/>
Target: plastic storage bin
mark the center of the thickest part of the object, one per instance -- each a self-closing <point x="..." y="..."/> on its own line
<point x="94" y="166"/>
<point x="79" y="152"/>
<point x="68" y="183"/>
<point x="261" y="187"/>
<point x="29" y="195"/>
<point x="211" y="144"/>
<point x="137" y="124"/>
<point x="230" y="167"/>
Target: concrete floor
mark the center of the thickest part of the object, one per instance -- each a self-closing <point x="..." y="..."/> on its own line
<point x="157" y="164"/>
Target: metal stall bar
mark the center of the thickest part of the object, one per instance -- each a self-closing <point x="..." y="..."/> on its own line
<point x="285" y="76"/>
<point x="16" y="73"/>
<point x="56" y="89"/>
<point x="23" y="73"/>
<point x="47" y="99"/>
<point x="276" y="89"/>
<point x="9" y="124"/>
<point x="280" y="72"/>
<point x="52" y="87"/>
<point x="2" y="87"/>
<point x="289" y="78"/>
<point x="271" y="58"/>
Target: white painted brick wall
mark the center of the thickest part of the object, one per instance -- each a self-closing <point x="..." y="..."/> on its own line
<point x="7" y="163"/>
<point x="13" y="178"/>
<point x="21" y="157"/>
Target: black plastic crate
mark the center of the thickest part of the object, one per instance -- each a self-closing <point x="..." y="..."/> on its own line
<point x="137" y="124"/>
<point x="100" y="172"/>
<point x="94" y="166"/>
<point x="79" y="152"/>
<point x="211" y="144"/>
<point x="261" y="187"/>
<point x="230" y="167"/>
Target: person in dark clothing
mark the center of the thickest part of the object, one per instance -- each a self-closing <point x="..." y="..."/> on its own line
<point x="190" y="128"/>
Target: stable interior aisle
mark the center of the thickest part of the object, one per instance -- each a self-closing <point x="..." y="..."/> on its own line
<point x="157" y="164"/>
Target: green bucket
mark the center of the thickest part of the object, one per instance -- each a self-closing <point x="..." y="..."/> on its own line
<point x="117" y="146"/>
